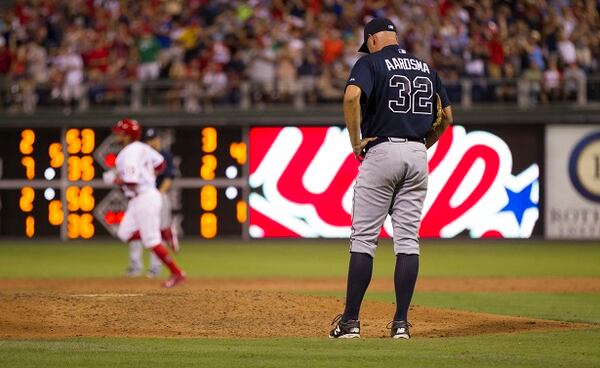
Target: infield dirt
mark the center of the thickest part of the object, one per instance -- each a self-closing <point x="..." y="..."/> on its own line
<point x="244" y="308"/>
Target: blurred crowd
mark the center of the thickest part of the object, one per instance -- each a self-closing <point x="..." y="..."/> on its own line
<point x="221" y="51"/>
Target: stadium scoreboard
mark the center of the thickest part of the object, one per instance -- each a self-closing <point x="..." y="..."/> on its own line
<point x="51" y="182"/>
<point x="265" y="181"/>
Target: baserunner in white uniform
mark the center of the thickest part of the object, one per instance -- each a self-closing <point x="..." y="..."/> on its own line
<point x="168" y="230"/>
<point x="136" y="168"/>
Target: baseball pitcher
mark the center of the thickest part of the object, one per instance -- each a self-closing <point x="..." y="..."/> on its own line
<point x="398" y="105"/>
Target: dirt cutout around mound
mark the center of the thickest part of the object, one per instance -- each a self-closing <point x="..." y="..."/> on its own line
<point x="137" y="308"/>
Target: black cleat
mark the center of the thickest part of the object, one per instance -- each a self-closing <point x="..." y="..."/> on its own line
<point x="399" y="330"/>
<point x="345" y="330"/>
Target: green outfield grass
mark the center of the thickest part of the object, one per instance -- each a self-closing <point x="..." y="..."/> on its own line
<point x="580" y="348"/>
<point x="565" y="349"/>
<point x="304" y="259"/>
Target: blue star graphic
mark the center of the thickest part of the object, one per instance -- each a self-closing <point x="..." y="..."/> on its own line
<point x="519" y="202"/>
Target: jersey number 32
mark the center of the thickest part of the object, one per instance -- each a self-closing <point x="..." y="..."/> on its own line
<point x="413" y="96"/>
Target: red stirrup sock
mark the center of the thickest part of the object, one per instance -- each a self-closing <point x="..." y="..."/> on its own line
<point x="162" y="253"/>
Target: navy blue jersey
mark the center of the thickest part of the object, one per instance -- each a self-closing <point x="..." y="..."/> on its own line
<point x="169" y="171"/>
<point x="398" y="94"/>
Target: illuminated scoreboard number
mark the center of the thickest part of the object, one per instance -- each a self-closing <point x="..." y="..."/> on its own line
<point x="38" y="154"/>
<point x="84" y="163"/>
<point x="212" y="154"/>
<point x="80" y="203"/>
<point x="31" y="154"/>
<point x="31" y="212"/>
<point x="211" y="211"/>
<point x="52" y="163"/>
<point x="54" y="172"/>
<point x="88" y="151"/>
<point x="80" y="145"/>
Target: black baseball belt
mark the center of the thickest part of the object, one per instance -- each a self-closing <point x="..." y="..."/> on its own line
<point x="393" y="140"/>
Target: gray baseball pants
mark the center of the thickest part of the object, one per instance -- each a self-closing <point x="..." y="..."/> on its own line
<point x="392" y="180"/>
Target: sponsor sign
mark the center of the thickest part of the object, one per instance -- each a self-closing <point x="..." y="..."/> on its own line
<point x="573" y="182"/>
<point x="302" y="178"/>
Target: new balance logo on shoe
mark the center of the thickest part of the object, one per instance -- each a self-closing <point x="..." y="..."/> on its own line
<point x="344" y="330"/>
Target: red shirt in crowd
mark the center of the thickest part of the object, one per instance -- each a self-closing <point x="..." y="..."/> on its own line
<point x="496" y="52"/>
<point x="97" y="58"/>
<point x="332" y="49"/>
<point x="5" y="59"/>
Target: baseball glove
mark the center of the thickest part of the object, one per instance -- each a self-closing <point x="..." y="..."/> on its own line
<point x="438" y="113"/>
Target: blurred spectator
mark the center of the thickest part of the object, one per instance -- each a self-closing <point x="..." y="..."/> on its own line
<point x="552" y="82"/>
<point x="286" y="75"/>
<point x="192" y="91"/>
<point x="572" y="77"/>
<point x="96" y="58"/>
<point x="533" y="78"/>
<point x="236" y="78"/>
<point x="122" y="69"/>
<point x="5" y="57"/>
<point x="325" y="87"/>
<point x="270" y="49"/>
<point x="584" y="55"/>
<point x="37" y="61"/>
<point x="307" y="72"/>
<point x="20" y="81"/>
<point x="333" y="46"/>
<point x="534" y="50"/>
<point x="122" y="42"/>
<point x="178" y="74"/>
<point x="261" y="72"/>
<point x="474" y="60"/>
<point x="148" y="48"/>
<point x="70" y="63"/>
<point x="495" y="55"/>
<point x="188" y="38"/>
<point x="507" y="88"/>
<point x="566" y="49"/>
<point x="214" y="83"/>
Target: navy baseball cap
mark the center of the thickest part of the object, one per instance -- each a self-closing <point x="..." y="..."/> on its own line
<point x="150" y="133"/>
<point x="374" y="26"/>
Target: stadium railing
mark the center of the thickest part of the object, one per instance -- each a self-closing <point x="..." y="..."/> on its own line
<point x="25" y="96"/>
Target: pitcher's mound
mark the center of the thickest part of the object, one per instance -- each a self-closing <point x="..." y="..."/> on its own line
<point x="26" y="313"/>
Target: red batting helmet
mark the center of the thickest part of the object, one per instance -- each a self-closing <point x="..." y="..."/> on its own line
<point x="128" y="127"/>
